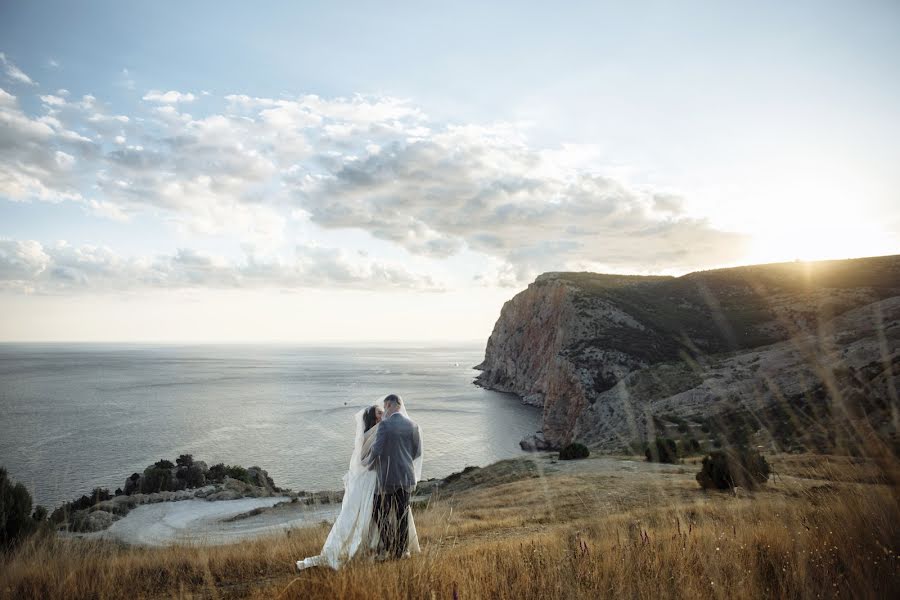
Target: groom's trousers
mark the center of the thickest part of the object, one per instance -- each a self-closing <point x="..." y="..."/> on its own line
<point x="394" y="532"/>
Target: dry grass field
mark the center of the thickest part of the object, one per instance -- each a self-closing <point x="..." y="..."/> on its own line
<point x="823" y="527"/>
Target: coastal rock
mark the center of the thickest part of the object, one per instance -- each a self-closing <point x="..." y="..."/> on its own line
<point x="614" y="360"/>
<point x="536" y="443"/>
<point x="206" y="491"/>
<point x="120" y="505"/>
<point x="133" y="484"/>
<point x="236" y="485"/>
<point x="260" y="478"/>
<point x="97" y="520"/>
<point x="165" y="481"/>
<point x="225" y="495"/>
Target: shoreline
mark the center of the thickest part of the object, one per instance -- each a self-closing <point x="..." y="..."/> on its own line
<point x="202" y="523"/>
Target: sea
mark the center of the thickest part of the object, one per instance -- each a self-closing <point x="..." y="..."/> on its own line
<point x="74" y="417"/>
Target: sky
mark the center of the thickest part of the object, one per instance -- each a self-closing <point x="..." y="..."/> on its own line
<point x="355" y="171"/>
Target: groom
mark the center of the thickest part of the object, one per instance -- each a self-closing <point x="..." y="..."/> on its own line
<point x="397" y="444"/>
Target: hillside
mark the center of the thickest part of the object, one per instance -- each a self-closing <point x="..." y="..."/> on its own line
<point x="760" y="351"/>
<point x="541" y="528"/>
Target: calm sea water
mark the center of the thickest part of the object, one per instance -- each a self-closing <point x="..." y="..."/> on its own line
<point x="77" y="416"/>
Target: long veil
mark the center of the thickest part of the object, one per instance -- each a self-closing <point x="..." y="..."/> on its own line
<point x="352" y="529"/>
<point x="356" y="466"/>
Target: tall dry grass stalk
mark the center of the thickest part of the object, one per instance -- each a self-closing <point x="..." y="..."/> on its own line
<point x="818" y="533"/>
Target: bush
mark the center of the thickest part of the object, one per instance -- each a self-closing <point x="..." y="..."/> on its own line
<point x="216" y="473"/>
<point x="689" y="446"/>
<point x="157" y="479"/>
<point x="185" y="460"/>
<point x="164" y="464"/>
<point x="663" y="450"/>
<point x="574" y="451"/>
<point x="237" y="472"/>
<point x="727" y="469"/>
<point x="16" y="521"/>
<point x="39" y="515"/>
<point x="62" y="514"/>
<point x="192" y="476"/>
<point x="219" y="471"/>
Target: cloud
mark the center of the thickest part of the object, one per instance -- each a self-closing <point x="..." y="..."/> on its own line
<point x="170" y="97"/>
<point x="368" y="163"/>
<point x="53" y="100"/>
<point x="37" y="156"/>
<point x="13" y="72"/>
<point x="486" y="190"/>
<point x="27" y="266"/>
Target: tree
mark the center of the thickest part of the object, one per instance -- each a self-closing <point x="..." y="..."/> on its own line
<point x="737" y="466"/>
<point x="662" y="450"/>
<point x="574" y="451"/>
<point x="15" y="511"/>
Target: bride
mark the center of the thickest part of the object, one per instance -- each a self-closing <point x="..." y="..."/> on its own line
<point x="355" y="532"/>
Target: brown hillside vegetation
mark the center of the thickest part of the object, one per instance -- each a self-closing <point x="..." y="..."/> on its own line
<point x="538" y="528"/>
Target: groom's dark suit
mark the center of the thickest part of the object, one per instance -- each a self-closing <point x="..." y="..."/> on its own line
<point x="397" y="445"/>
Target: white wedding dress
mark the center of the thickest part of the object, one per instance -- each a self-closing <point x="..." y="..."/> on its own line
<point x="355" y="532"/>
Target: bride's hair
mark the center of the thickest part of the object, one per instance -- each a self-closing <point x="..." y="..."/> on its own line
<point x="369" y="418"/>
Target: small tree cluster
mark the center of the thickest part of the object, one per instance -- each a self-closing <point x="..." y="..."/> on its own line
<point x="61" y="514"/>
<point x="218" y="472"/>
<point x="574" y="451"/>
<point x="16" y="519"/>
<point x="662" y="450"/>
<point x="733" y="467"/>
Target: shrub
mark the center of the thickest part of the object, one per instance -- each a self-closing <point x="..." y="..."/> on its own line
<point x="739" y="466"/>
<point x="237" y="472"/>
<point x="164" y="464"/>
<point x="185" y="460"/>
<point x="133" y="484"/>
<point x="192" y="476"/>
<point x="62" y="514"/>
<point x="156" y="479"/>
<point x="219" y="471"/>
<point x="662" y="450"/>
<point x="15" y="512"/>
<point x="574" y="451"/>
<point x="689" y="446"/>
<point x="216" y="472"/>
<point x="39" y="515"/>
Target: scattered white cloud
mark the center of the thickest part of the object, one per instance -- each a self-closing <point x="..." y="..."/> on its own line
<point x="52" y="63"/>
<point x="13" y="72"/>
<point x="36" y="155"/>
<point x="170" y="97"/>
<point x="53" y="100"/>
<point x="60" y="268"/>
<point x="369" y="163"/>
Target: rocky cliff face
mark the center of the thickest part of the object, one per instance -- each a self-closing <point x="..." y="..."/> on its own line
<point x="614" y="360"/>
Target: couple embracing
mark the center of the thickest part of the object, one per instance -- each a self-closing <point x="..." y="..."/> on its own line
<point x="385" y="466"/>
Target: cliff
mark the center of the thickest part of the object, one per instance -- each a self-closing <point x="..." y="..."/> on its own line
<point x="615" y="360"/>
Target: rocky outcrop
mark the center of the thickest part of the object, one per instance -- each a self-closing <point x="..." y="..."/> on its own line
<point x="165" y="481"/>
<point x="610" y="358"/>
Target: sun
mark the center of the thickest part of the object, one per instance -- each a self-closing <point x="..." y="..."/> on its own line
<point x="818" y="243"/>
